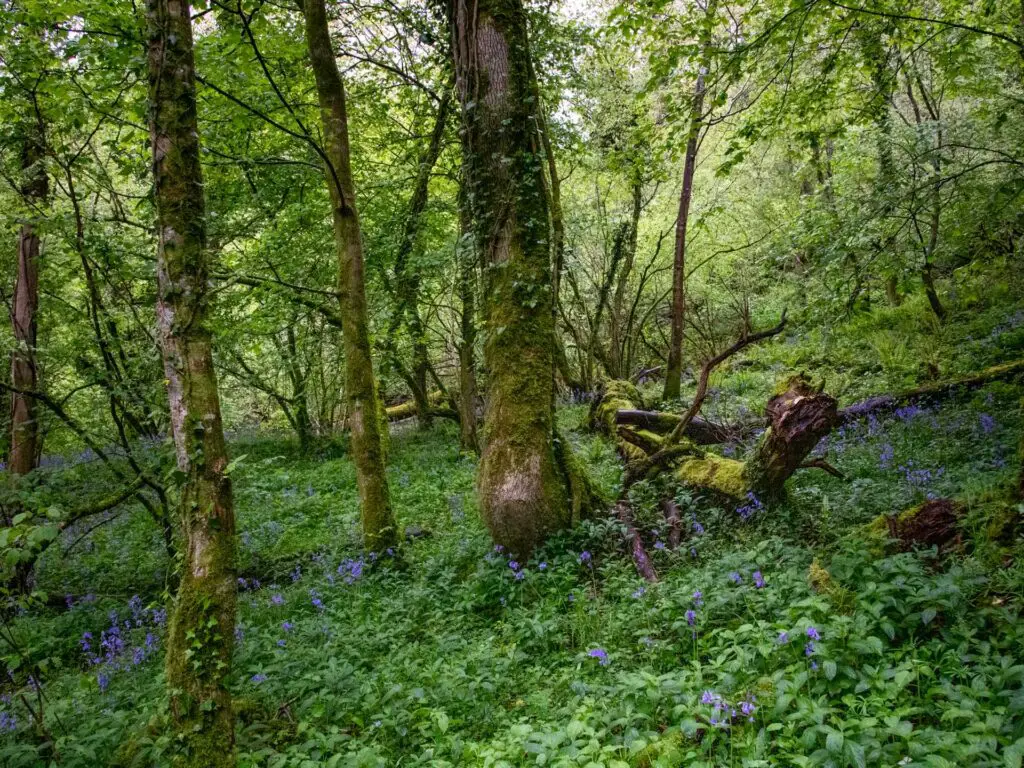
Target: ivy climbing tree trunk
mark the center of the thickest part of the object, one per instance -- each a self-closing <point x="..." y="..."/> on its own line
<point x="25" y="304"/>
<point x="674" y="367"/>
<point x="364" y="406"/>
<point x="523" y="482"/>
<point x="202" y="628"/>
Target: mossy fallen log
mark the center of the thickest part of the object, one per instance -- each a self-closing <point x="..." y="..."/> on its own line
<point x="798" y="417"/>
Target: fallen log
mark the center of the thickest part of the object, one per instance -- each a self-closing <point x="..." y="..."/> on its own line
<point x="930" y="392"/>
<point x="705" y="432"/>
<point x="700" y="431"/>
<point x="799" y="417"/>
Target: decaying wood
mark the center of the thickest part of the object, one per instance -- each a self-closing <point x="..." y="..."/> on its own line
<point x="636" y="545"/>
<point x="675" y="522"/>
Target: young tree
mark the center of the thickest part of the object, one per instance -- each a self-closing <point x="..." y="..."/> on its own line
<point x="525" y="475"/>
<point x="379" y="529"/>
<point x="674" y="368"/>
<point x="201" y="634"/>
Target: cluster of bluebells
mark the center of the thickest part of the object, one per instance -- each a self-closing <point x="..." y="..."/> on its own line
<point x="921" y="478"/>
<point x="753" y="505"/>
<point x="517" y="570"/>
<point x="351" y="570"/>
<point x="586" y="558"/>
<point x="724" y="713"/>
<point x="116" y="648"/>
<point x="809" y="649"/>
<point x="986" y="423"/>
<point x="601" y="655"/>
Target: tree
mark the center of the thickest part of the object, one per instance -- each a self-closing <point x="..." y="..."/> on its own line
<point x="201" y="633"/>
<point x="25" y="305"/>
<point x="365" y="420"/>
<point x="525" y="478"/>
<point x="674" y="367"/>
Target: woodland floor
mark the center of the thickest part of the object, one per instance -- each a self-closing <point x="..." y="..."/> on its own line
<point x="446" y="655"/>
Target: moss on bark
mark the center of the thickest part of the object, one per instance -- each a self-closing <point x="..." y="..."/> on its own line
<point x="201" y="632"/>
<point x="367" y="421"/>
<point x="524" y="492"/>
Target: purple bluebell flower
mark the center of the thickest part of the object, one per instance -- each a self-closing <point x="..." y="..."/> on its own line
<point x="698" y="528"/>
<point x="698" y="598"/>
<point x="886" y="456"/>
<point x="281" y="643"/>
<point x="8" y="722"/>
<point x="987" y="423"/>
<point x="809" y="648"/>
<point x="758" y="579"/>
<point x="659" y="545"/>
<point x="513" y="565"/>
<point x="813" y="633"/>
<point x="103" y="680"/>
<point x="639" y="592"/>
<point x="520" y="575"/>
<point x="542" y="567"/>
<point x="783" y="638"/>
<point x="601" y="655"/>
<point x="276" y="600"/>
<point x="691" y="617"/>
<point x="258" y="678"/>
<point x="585" y="557"/>
<point x="735" y="577"/>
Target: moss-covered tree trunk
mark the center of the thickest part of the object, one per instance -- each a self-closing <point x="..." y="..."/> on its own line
<point x="201" y="633"/>
<point x="25" y="304"/>
<point x="364" y="404"/>
<point x="522" y="484"/>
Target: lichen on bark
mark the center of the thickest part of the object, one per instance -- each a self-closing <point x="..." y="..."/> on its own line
<point x="201" y="631"/>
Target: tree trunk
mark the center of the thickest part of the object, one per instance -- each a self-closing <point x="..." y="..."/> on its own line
<point x="466" y="254"/>
<point x="523" y="485"/>
<point x="407" y="279"/>
<point x="674" y="367"/>
<point x="618" y="359"/>
<point x="24" y="373"/>
<point x="202" y="630"/>
<point x="368" y="447"/>
<point x="300" y="396"/>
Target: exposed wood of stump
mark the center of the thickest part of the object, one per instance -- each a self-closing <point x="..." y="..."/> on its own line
<point x="798" y="418"/>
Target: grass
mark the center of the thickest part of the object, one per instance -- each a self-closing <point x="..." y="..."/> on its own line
<point x="444" y="655"/>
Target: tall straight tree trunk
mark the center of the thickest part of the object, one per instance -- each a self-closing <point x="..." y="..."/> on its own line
<point x="202" y="629"/>
<point x="466" y="254"/>
<point x="24" y="307"/>
<point x="523" y="486"/>
<point x="407" y="279"/>
<point x="674" y="367"/>
<point x="619" y="364"/>
<point x="364" y="406"/>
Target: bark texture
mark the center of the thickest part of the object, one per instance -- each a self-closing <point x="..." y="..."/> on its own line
<point x="364" y="404"/>
<point x="201" y="634"/>
<point x="25" y="304"/>
<point x="524" y="483"/>
<point x="467" y="264"/>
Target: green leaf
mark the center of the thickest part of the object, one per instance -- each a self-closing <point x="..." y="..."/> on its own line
<point x="856" y="754"/>
<point x="830" y="669"/>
